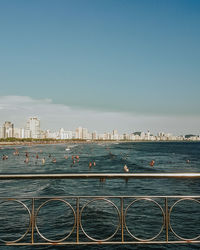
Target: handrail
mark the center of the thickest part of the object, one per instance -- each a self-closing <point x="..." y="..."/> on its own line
<point x="100" y="176"/>
<point x="123" y="208"/>
<point x="33" y="230"/>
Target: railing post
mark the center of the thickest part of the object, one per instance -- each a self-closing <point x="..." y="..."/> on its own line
<point x="166" y="219"/>
<point x="32" y="221"/>
<point x="77" y="220"/>
<point x="122" y="218"/>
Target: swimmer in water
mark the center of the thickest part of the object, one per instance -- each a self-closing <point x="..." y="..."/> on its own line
<point x="152" y="163"/>
<point x="54" y="160"/>
<point x="126" y="168"/>
<point x="26" y="160"/>
<point x="43" y="160"/>
<point x="3" y="157"/>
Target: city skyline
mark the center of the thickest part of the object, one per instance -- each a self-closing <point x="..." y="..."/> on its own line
<point x="33" y="130"/>
<point x="133" y="64"/>
<point x="18" y="107"/>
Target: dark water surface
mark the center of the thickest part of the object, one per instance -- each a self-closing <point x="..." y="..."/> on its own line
<point x="170" y="157"/>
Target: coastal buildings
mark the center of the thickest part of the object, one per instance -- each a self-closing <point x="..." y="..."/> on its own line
<point x="8" y="130"/>
<point x="32" y="130"/>
<point x="79" y="133"/>
<point x="33" y="125"/>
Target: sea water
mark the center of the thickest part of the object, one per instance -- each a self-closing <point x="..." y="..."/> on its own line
<point x="169" y="157"/>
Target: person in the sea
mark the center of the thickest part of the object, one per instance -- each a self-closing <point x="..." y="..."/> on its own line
<point x="26" y="160"/>
<point x="54" y="160"/>
<point x="126" y="168"/>
<point x="43" y="160"/>
<point x="4" y="157"/>
<point x="152" y="163"/>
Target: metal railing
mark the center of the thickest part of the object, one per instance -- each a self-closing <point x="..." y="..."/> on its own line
<point x="127" y="214"/>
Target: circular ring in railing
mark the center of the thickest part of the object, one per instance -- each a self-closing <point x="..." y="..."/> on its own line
<point x="37" y="213"/>
<point x="170" y="212"/>
<point x="163" y="221"/>
<point x="112" y="205"/>
<point x="29" y="224"/>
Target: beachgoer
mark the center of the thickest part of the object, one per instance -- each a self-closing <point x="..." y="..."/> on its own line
<point x="152" y="163"/>
<point x="26" y="160"/>
<point x="126" y="168"/>
<point x="43" y="160"/>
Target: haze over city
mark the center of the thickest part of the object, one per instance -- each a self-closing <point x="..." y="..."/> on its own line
<point x="103" y="65"/>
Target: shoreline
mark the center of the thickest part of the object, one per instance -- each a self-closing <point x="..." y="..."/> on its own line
<point x="31" y="143"/>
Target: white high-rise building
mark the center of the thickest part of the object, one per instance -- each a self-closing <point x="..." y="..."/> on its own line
<point x="8" y="130"/>
<point x="17" y="132"/>
<point x="84" y="133"/>
<point x="115" y="135"/>
<point x="33" y="125"/>
<point x="79" y="133"/>
<point x="94" y="135"/>
<point x="1" y="132"/>
<point x="65" y="134"/>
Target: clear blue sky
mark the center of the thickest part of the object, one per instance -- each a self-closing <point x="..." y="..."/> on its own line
<point x="116" y="55"/>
